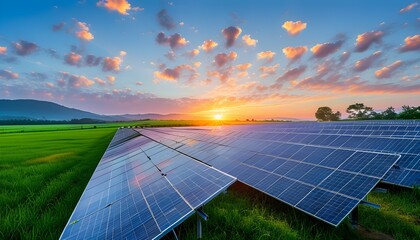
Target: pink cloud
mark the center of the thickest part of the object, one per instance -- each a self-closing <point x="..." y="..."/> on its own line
<point x="223" y="58"/>
<point x="174" y="74"/>
<point x="388" y="71"/>
<point x="193" y="53"/>
<point x="174" y="41"/>
<point x="269" y="55"/>
<point x="208" y="45"/>
<point x="324" y="49"/>
<point x="365" y="63"/>
<point x="24" y="48"/>
<point x="99" y="81"/>
<point x="268" y="70"/>
<point x="83" y="32"/>
<point x="411" y="43"/>
<point x="292" y="74"/>
<point x="74" y="81"/>
<point x="249" y="41"/>
<point x="121" y="6"/>
<point x="111" y="79"/>
<point x="344" y="57"/>
<point x="93" y="61"/>
<point x="58" y="27"/>
<point x="294" y="28"/>
<point x="243" y="67"/>
<point x="365" y="40"/>
<point x="408" y="8"/>
<point x="294" y="53"/>
<point x="73" y="59"/>
<point x="224" y="75"/>
<point x="3" y="50"/>
<point x="8" y="75"/>
<point x="231" y="34"/>
<point x="165" y="20"/>
<point x="111" y="64"/>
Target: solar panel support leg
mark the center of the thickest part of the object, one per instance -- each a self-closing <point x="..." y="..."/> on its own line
<point x="176" y="236"/>
<point x="199" y="227"/>
<point x="355" y="216"/>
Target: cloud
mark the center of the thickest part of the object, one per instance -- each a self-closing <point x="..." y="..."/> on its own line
<point x="8" y="75"/>
<point x="58" y="27"/>
<point x="111" y="79"/>
<point x="249" y="41"/>
<point x="268" y="70"/>
<point x="208" y="45"/>
<point x="388" y="71"/>
<point x="99" y="81"/>
<point x="197" y="64"/>
<point x="74" y="81"/>
<point x="411" y="44"/>
<point x="111" y="64"/>
<point x="408" y="8"/>
<point x="123" y="53"/>
<point x="121" y="6"/>
<point x="92" y="61"/>
<point x="24" y="48"/>
<point x="73" y="59"/>
<point x="174" y="41"/>
<point x="344" y="57"/>
<point x="193" y="53"/>
<point x="36" y="76"/>
<point x="174" y="74"/>
<point x="291" y="74"/>
<point x="223" y="58"/>
<point x="324" y="49"/>
<point x="165" y="20"/>
<point x="231" y="34"/>
<point x="83" y="32"/>
<point x="294" y="53"/>
<point x="294" y="28"/>
<point x="3" y="50"/>
<point x="222" y="74"/>
<point x="269" y="55"/>
<point x="53" y="53"/>
<point x="139" y="83"/>
<point x="171" y="55"/>
<point x="365" y="40"/>
<point x="365" y="63"/>
<point x="243" y="67"/>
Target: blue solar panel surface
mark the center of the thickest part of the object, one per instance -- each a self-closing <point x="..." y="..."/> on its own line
<point x="141" y="190"/>
<point x="294" y="173"/>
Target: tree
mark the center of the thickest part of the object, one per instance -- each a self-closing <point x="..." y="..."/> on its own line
<point x="326" y="114"/>
<point x="389" y="113"/>
<point x="409" y="112"/>
<point x="360" y="111"/>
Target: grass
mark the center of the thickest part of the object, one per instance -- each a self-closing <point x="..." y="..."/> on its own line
<point x="45" y="168"/>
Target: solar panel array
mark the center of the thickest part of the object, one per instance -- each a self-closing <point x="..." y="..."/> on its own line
<point x="323" y="181"/>
<point x="142" y="190"/>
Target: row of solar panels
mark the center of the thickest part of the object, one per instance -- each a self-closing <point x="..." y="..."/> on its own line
<point x="150" y="180"/>
<point x="142" y="190"/>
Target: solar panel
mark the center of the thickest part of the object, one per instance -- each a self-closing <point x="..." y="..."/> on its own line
<point x="290" y="172"/>
<point x="142" y="189"/>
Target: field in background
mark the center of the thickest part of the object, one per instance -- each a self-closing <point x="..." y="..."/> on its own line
<point x="45" y="168"/>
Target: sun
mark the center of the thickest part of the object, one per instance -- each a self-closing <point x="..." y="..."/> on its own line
<point x="218" y="117"/>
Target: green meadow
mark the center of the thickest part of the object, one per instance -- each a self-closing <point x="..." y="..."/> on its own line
<point x="45" y="168"/>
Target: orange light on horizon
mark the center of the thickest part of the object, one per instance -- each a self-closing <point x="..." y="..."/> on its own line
<point x="218" y="117"/>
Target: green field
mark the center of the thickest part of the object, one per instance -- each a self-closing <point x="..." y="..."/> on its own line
<point x="45" y="168"/>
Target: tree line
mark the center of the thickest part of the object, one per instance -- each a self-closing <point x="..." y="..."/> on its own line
<point x="359" y="111"/>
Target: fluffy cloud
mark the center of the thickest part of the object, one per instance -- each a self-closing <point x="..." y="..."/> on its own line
<point x="197" y="64"/>
<point x="324" y="49"/>
<point x="74" y="81"/>
<point x="121" y="6"/>
<point x="294" y="28"/>
<point x="111" y="64"/>
<point x="223" y="74"/>
<point x="411" y="43"/>
<point x="99" y="81"/>
<point x="243" y="67"/>
<point x="291" y="74"/>
<point x="174" y="41"/>
<point x="365" y="63"/>
<point x="193" y="53"/>
<point x="365" y="40"/>
<point x="37" y="76"/>
<point x="268" y="70"/>
<point x="111" y="79"/>
<point x="344" y="57"/>
<point x="174" y="74"/>
<point x="269" y="55"/>
<point x="408" y="8"/>
<point x="73" y="59"/>
<point x="249" y="41"/>
<point x="171" y="55"/>
<point x="231" y="34"/>
<point x="8" y="75"/>
<point x="165" y="20"/>
<point x="388" y="71"/>
<point x="208" y="45"/>
<point x="294" y="53"/>
<point x="92" y="61"/>
<point x="24" y="48"/>
<point x="223" y="58"/>
<point x="57" y="27"/>
<point x="3" y="50"/>
<point x="83" y="32"/>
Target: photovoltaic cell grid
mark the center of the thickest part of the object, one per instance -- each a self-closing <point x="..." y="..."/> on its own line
<point x="141" y="190"/>
<point x="325" y="182"/>
<point x="405" y="173"/>
<point x="122" y="135"/>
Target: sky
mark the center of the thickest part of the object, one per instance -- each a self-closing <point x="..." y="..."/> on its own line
<point x="239" y="58"/>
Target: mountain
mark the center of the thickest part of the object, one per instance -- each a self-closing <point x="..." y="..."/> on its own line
<point x="43" y="110"/>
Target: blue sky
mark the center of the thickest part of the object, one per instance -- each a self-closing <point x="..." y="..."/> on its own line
<point x="45" y="47"/>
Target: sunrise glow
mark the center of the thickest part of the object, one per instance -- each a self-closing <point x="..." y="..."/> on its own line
<point x="218" y="117"/>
